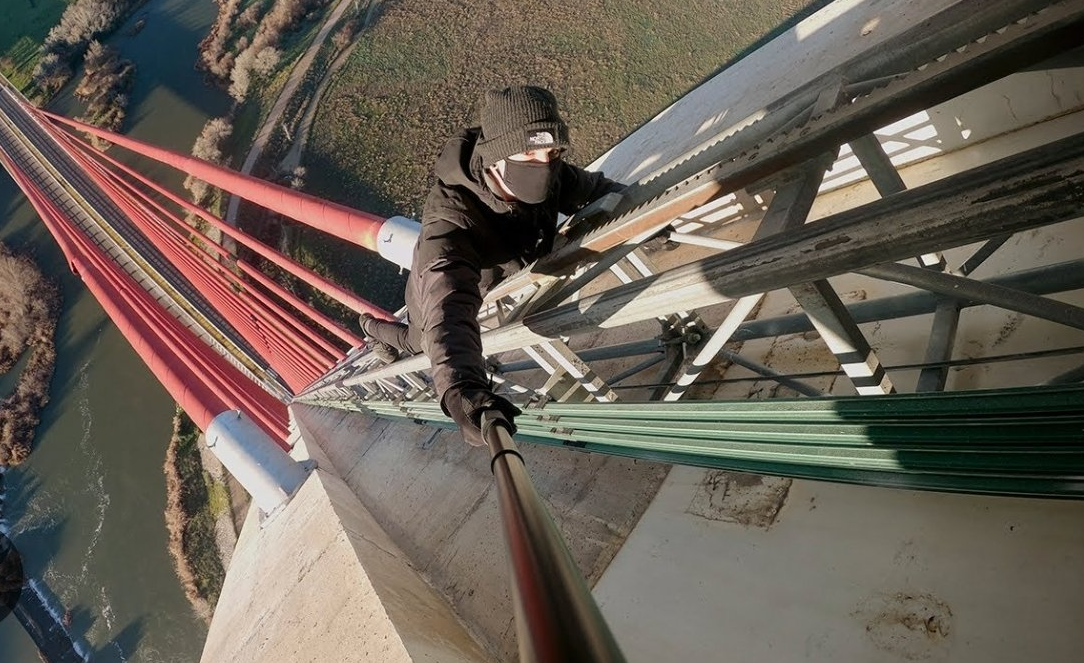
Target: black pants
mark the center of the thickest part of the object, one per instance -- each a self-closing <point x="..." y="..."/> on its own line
<point x="395" y="334"/>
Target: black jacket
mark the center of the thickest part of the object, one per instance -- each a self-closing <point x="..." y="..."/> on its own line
<point x="470" y="241"/>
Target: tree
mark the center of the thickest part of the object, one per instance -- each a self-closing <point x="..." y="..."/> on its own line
<point x="266" y="60"/>
<point x="106" y="78"/>
<point x="81" y="22"/>
<point x="52" y="72"/>
<point x="213" y="56"/>
<point x="208" y="146"/>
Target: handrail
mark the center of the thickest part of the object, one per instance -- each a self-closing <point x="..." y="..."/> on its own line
<point x="557" y="619"/>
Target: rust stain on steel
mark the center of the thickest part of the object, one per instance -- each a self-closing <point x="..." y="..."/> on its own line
<point x="829" y="243"/>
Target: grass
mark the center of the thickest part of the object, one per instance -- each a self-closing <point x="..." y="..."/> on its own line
<point x="418" y="73"/>
<point x="218" y="496"/>
<point x="22" y="31"/>
<point x="24" y="19"/>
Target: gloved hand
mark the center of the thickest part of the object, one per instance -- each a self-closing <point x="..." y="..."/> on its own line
<point x="465" y="406"/>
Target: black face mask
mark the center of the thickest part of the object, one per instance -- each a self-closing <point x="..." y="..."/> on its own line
<point x="529" y="181"/>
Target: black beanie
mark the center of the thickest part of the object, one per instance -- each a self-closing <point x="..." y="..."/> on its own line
<point x="517" y="119"/>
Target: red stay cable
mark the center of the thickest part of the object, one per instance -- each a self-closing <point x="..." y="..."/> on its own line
<point x="216" y="287"/>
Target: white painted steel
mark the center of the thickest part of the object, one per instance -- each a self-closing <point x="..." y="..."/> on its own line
<point x="396" y="239"/>
<point x="742" y="309"/>
<point x="269" y="475"/>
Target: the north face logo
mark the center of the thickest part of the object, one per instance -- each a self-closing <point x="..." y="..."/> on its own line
<point x="540" y="138"/>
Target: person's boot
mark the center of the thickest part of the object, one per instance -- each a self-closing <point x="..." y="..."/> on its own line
<point x="385" y="352"/>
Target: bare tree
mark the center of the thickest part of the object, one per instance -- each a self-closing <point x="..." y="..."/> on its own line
<point x="208" y="146"/>
<point x="266" y="60"/>
<point x="106" y="78"/>
<point x="212" y="50"/>
<point x="261" y="56"/>
<point x="248" y="18"/>
<point x="52" y="72"/>
<point x="28" y="311"/>
<point x="81" y="22"/>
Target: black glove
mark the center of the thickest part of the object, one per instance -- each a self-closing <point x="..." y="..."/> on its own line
<point x="465" y="406"/>
<point x="616" y="187"/>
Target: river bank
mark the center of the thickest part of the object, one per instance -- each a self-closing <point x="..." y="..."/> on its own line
<point x="199" y="517"/>
<point x="86" y="509"/>
<point x="29" y="307"/>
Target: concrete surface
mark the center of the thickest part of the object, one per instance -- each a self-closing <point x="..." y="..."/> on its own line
<point x="320" y="581"/>
<point x="435" y="497"/>
<point x="848" y="573"/>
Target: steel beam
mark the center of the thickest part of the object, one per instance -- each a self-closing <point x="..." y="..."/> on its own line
<point x="560" y="386"/>
<point x="570" y="287"/>
<point x="836" y="328"/>
<point x="642" y="366"/>
<point x="643" y="265"/>
<point x="1060" y="277"/>
<point x="981" y="254"/>
<point x="616" y="351"/>
<point x="560" y="353"/>
<point x="950" y="285"/>
<point x="531" y="302"/>
<point x="696" y="366"/>
<point x="557" y="359"/>
<point x="951" y="363"/>
<point x="1038" y="187"/>
<point x="789" y="209"/>
<point x="505" y="381"/>
<point x="675" y="324"/>
<point x="886" y="178"/>
<point x="700" y="240"/>
<point x="871" y="154"/>
<point x="939" y="349"/>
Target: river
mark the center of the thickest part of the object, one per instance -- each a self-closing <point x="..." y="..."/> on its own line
<point x="86" y="511"/>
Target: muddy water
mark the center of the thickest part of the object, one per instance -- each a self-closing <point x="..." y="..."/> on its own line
<point x="86" y="511"/>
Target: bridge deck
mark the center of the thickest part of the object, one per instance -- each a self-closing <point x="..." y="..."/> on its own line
<point x="56" y="173"/>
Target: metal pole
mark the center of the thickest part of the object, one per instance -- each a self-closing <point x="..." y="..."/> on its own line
<point x="772" y="374"/>
<point x="707" y="242"/>
<point x="985" y="293"/>
<point x="617" y="351"/>
<point x="557" y="619"/>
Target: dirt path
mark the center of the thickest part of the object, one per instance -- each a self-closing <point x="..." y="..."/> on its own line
<point x="301" y="136"/>
<point x="272" y="121"/>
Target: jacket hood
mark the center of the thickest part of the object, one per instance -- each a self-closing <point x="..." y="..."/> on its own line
<point x="460" y="166"/>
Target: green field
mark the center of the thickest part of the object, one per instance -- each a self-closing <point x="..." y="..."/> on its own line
<point x="28" y="18"/>
<point x="25" y="24"/>
<point x="416" y="75"/>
